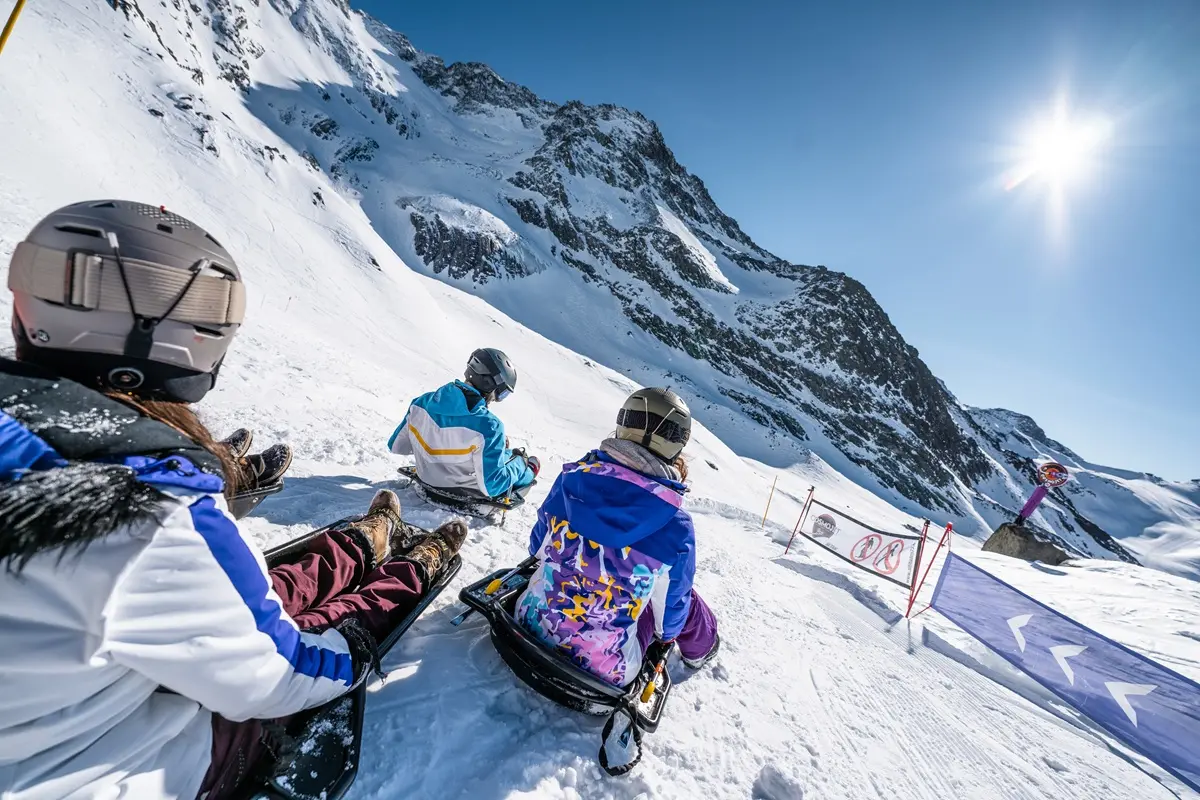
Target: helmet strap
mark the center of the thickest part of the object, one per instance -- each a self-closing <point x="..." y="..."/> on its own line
<point x="647" y="434"/>
<point x="140" y="340"/>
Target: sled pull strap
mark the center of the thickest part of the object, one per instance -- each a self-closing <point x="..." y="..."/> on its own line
<point x="620" y="743"/>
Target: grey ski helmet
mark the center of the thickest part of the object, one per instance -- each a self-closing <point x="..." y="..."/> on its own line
<point x="491" y="372"/>
<point x="657" y="419"/>
<point x="126" y="296"/>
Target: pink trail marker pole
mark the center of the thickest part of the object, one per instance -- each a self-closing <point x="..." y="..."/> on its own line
<point x="1031" y="504"/>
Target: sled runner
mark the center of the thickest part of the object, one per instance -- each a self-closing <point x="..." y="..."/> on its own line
<point x="243" y="503"/>
<point x="466" y="501"/>
<point x="632" y="710"/>
<point x="317" y="754"/>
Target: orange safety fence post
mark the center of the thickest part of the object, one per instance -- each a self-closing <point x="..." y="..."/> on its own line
<point x="769" y="498"/>
<point x="945" y="540"/>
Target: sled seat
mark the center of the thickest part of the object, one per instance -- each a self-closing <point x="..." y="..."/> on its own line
<point x="465" y="499"/>
<point x="550" y="673"/>
<point x="243" y="503"/>
<point x="316" y="754"/>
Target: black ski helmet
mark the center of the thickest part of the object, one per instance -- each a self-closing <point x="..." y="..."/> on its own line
<point x="126" y="296"/>
<point x="491" y="372"/>
<point x="658" y="420"/>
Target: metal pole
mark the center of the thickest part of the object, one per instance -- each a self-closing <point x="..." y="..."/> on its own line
<point x="803" y="514"/>
<point x="912" y="591"/>
<point x="769" y="498"/>
<point x="12" y="21"/>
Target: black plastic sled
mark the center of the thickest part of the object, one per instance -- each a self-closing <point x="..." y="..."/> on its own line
<point x="632" y="710"/>
<point x="467" y="501"/>
<point x="317" y="755"/>
<point x="243" y="503"/>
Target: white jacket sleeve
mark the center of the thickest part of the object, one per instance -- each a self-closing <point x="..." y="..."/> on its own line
<point x="196" y="613"/>
<point x="400" y="443"/>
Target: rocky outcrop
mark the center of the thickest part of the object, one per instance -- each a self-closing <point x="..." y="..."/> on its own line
<point x="1024" y="542"/>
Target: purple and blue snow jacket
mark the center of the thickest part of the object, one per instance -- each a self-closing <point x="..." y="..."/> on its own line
<point x="611" y="541"/>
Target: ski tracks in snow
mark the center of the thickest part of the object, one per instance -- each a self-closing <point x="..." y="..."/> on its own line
<point x="816" y="694"/>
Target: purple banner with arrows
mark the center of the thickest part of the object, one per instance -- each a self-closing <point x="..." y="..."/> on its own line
<point x="1148" y="707"/>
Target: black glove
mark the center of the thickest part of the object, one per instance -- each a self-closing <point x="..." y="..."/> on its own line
<point x="364" y="652"/>
<point x="519" y="451"/>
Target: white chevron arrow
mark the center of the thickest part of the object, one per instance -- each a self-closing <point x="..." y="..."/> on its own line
<point x="1016" y="623"/>
<point x="1122" y="691"/>
<point x="1064" y="651"/>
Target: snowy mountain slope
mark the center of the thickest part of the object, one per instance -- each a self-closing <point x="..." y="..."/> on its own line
<point x="579" y="222"/>
<point x="816" y="693"/>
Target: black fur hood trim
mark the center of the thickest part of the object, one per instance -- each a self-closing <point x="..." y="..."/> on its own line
<point x="71" y="506"/>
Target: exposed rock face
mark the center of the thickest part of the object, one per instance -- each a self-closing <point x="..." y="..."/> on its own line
<point x="1020" y="541"/>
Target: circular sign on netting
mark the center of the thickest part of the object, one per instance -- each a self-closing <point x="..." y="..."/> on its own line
<point x="865" y="547"/>
<point x="888" y="560"/>
<point x="824" y="526"/>
<point x="1052" y="474"/>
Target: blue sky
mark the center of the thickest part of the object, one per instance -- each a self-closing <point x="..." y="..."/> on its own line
<point x="874" y="138"/>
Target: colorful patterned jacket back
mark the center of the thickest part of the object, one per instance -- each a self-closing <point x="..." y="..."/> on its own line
<point x="611" y="541"/>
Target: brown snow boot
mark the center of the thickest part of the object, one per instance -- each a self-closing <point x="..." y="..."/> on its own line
<point x="433" y="551"/>
<point x="380" y="522"/>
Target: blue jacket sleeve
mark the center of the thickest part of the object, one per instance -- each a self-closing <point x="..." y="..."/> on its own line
<point x="502" y="471"/>
<point x="679" y="591"/>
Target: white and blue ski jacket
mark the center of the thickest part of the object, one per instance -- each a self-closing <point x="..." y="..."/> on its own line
<point x="458" y="443"/>
<point x="132" y="607"/>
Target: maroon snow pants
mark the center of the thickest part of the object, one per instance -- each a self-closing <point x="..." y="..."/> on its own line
<point x="321" y="589"/>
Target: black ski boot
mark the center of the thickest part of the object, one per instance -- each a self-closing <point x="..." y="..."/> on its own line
<point x="238" y="443"/>
<point x="700" y="662"/>
<point x="265" y="468"/>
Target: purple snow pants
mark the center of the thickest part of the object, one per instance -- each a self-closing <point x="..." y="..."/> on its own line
<point x="698" y="636"/>
<point x="324" y="587"/>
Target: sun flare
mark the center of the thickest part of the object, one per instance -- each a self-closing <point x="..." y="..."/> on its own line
<point x="1060" y="150"/>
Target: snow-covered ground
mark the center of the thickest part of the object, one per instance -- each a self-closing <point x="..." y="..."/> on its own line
<point x="821" y="690"/>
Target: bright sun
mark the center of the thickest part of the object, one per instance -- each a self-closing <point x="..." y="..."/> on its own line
<point x="1060" y="150"/>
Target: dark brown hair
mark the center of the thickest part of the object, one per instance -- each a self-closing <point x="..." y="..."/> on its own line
<point x="182" y="418"/>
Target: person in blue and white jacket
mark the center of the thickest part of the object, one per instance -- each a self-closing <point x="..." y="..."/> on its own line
<point x="617" y="552"/>
<point x="457" y="441"/>
<point x="138" y="623"/>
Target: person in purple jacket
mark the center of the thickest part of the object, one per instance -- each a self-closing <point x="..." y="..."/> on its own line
<point x="617" y="552"/>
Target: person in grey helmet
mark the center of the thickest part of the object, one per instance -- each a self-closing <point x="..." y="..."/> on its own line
<point x="616" y="550"/>
<point x="144" y="636"/>
<point x="456" y="439"/>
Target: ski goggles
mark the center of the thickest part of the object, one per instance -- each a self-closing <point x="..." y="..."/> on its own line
<point x="503" y="393"/>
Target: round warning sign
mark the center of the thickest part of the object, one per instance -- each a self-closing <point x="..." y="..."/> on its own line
<point x="888" y="560"/>
<point x="1052" y="474"/>
<point x="824" y="526"/>
<point x="865" y="547"/>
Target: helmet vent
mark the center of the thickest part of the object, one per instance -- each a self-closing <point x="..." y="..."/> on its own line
<point x="104" y="204"/>
<point x="165" y="228"/>
<point x="160" y="212"/>
<point x="213" y="240"/>
<point x="82" y="231"/>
